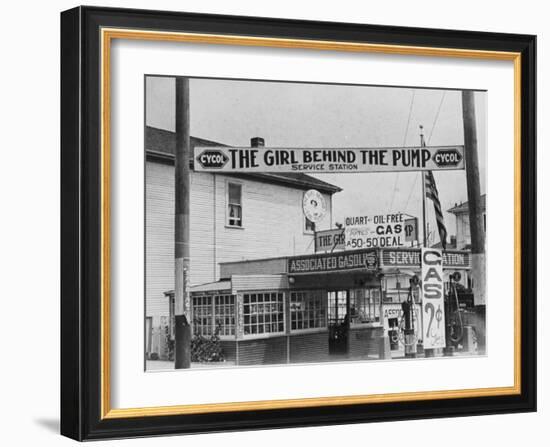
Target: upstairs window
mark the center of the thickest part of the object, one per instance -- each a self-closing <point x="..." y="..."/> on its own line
<point x="234" y="205"/>
<point x="310" y="226"/>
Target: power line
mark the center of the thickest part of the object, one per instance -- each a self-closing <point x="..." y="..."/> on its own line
<point x="436" y="116"/>
<point x="410" y="193"/>
<point x="429" y="138"/>
<point x="404" y="141"/>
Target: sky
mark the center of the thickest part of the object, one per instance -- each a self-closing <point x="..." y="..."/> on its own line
<point x="318" y="115"/>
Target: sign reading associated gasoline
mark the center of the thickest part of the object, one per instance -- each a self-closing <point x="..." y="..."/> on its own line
<point x="319" y="160"/>
<point x="359" y="259"/>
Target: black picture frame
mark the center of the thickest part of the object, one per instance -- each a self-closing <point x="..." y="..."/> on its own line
<point x="81" y="223"/>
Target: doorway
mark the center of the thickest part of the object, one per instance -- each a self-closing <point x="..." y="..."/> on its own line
<point x="338" y="321"/>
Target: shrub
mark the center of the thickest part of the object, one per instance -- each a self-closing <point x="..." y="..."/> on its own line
<point x="205" y="349"/>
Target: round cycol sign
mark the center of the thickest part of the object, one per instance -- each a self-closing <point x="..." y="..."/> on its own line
<point x="314" y="205"/>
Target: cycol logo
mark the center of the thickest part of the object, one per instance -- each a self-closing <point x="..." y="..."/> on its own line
<point x="212" y="159"/>
<point x="447" y="157"/>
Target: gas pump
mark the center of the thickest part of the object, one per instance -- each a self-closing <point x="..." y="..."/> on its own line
<point x="408" y="321"/>
<point x="454" y="327"/>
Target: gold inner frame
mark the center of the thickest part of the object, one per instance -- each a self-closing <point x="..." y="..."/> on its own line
<point x="107" y="35"/>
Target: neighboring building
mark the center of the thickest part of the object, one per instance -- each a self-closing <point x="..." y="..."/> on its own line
<point x="232" y="216"/>
<point x="461" y="212"/>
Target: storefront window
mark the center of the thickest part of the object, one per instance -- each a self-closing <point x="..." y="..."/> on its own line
<point x="307" y="310"/>
<point x="202" y="315"/>
<point x="365" y="305"/>
<point x="263" y="313"/>
<point x="214" y="314"/>
<point x="224" y="311"/>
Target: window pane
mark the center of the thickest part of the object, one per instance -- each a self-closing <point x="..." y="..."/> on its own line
<point x="234" y="193"/>
<point x="365" y="307"/>
<point x="308" y="310"/>
<point x="224" y="311"/>
<point x="202" y="315"/>
<point x="264" y="316"/>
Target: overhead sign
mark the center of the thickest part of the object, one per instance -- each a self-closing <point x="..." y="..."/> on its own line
<point x="324" y="160"/>
<point x="433" y="304"/>
<point x="314" y="205"/>
<point x="411" y="258"/>
<point x="378" y="231"/>
<point x="364" y="259"/>
<point x="330" y="240"/>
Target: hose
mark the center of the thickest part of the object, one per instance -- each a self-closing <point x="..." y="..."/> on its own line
<point x="455" y="339"/>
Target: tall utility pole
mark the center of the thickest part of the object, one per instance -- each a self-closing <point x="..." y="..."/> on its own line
<point x="477" y="231"/>
<point x="182" y="348"/>
<point x="472" y="172"/>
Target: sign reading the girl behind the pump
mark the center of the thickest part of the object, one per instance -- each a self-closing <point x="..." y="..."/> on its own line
<point x="433" y="304"/>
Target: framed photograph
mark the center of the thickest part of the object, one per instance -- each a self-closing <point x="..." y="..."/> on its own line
<point x="273" y="223"/>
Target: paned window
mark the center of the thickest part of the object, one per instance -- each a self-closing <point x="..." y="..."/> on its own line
<point x="214" y="314"/>
<point x="224" y="310"/>
<point x="234" y="205"/>
<point x="307" y="310"/>
<point x="263" y="313"/>
<point x="365" y="305"/>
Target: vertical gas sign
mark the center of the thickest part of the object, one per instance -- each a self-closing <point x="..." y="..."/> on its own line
<point x="433" y="304"/>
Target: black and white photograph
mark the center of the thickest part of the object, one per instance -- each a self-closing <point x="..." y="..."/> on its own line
<point x="275" y="223"/>
<point x="299" y="223"/>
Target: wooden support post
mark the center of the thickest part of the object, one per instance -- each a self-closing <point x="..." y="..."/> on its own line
<point x="477" y="231"/>
<point x="181" y="231"/>
<point x="472" y="172"/>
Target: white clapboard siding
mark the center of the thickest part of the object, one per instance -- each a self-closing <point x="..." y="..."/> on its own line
<point x="273" y="222"/>
<point x="159" y="238"/>
<point x="273" y="226"/>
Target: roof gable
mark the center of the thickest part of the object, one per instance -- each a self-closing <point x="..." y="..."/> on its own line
<point x="463" y="207"/>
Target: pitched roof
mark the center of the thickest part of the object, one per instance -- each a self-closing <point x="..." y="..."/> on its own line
<point x="161" y="144"/>
<point x="463" y="207"/>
